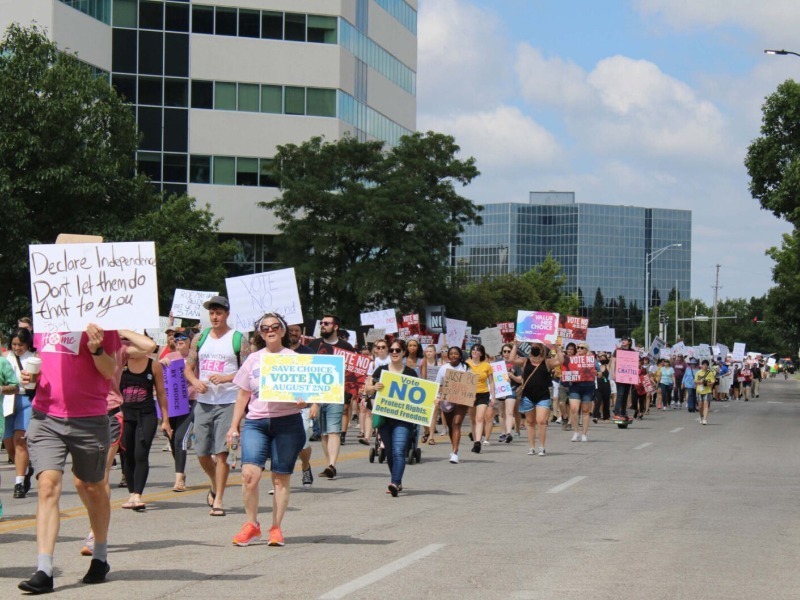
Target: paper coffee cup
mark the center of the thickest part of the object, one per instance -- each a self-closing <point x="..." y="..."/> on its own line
<point x="32" y="365"/>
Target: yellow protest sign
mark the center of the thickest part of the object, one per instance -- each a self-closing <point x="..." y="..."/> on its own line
<point x="314" y="378"/>
<point x="406" y="398"/>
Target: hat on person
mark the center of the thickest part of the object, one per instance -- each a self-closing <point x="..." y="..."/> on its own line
<point x="692" y="361"/>
<point x="173" y="328"/>
<point x="220" y="301"/>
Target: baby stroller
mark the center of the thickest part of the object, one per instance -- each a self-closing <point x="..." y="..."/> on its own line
<point x="413" y="454"/>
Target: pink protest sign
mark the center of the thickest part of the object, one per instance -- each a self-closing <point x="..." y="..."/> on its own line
<point x="177" y="390"/>
<point x="537" y="326"/>
<point x="627" y="370"/>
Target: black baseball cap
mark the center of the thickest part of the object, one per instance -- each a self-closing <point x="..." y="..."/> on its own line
<point x="220" y="301"/>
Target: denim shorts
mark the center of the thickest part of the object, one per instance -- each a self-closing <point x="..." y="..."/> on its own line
<point x="330" y="418"/>
<point x="582" y="391"/>
<point x="281" y="439"/>
<point x="20" y="418"/>
<point x="526" y="405"/>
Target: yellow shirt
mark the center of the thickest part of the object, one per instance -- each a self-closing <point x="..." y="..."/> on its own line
<point x="484" y="372"/>
<point x="705" y="381"/>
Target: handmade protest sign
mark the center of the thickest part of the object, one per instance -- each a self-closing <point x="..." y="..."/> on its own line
<point x="738" y="350"/>
<point x="703" y="352"/>
<point x="176" y="388"/>
<point x="374" y="334"/>
<point x="508" y="329"/>
<point x="578" y="369"/>
<point x="355" y="369"/>
<point x="189" y="303"/>
<point x="502" y="384"/>
<point x="627" y="367"/>
<point x="573" y="328"/>
<point x="251" y="296"/>
<point x="601" y="339"/>
<point x="657" y="348"/>
<point x="313" y="378"/>
<point x="405" y="398"/>
<point x="470" y="339"/>
<point x="112" y="285"/>
<point x="679" y="348"/>
<point x="537" y="326"/>
<point x="381" y="319"/>
<point x="492" y="340"/>
<point x="456" y="332"/>
<point x="459" y="387"/>
<point x="647" y="383"/>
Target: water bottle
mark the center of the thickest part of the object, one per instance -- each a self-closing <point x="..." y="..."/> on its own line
<point x="233" y="447"/>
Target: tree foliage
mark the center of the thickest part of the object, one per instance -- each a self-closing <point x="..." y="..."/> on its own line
<point x="366" y="228"/>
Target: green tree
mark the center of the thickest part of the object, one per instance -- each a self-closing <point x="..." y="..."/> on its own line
<point x="548" y="280"/>
<point x="773" y="159"/>
<point x="599" y="316"/>
<point x="366" y="228"/>
<point x="67" y="148"/>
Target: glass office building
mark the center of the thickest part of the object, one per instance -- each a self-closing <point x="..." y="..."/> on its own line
<point x="217" y="85"/>
<point x="599" y="246"/>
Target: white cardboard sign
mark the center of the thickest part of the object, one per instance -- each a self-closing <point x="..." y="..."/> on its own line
<point x="189" y="303"/>
<point x="112" y="285"/>
<point x="381" y="319"/>
<point x="251" y="296"/>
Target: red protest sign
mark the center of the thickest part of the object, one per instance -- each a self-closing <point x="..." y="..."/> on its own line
<point x="573" y="328"/>
<point x="355" y="369"/>
<point x="508" y="330"/>
<point x="578" y="369"/>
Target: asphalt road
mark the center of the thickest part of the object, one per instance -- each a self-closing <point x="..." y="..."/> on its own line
<point x="665" y="509"/>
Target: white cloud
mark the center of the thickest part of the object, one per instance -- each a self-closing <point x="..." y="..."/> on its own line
<point x="551" y="81"/>
<point x="464" y="56"/>
<point x="501" y="140"/>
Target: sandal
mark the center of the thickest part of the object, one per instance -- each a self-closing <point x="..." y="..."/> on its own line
<point x="210" y="497"/>
<point x="179" y="486"/>
<point x="129" y="505"/>
<point x="140" y="507"/>
<point x="431" y="442"/>
<point x="424" y="438"/>
<point x="216" y="512"/>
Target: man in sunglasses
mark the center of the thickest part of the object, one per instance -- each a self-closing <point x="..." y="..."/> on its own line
<point x="330" y="415"/>
<point x="213" y="361"/>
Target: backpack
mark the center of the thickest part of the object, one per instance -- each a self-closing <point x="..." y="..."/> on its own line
<point x="237" y="343"/>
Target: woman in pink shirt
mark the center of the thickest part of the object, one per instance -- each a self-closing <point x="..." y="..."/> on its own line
<point x="271" y="430"/>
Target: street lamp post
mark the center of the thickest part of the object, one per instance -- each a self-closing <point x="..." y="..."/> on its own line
<point x="781" y="52"/>
<point x="649" y="258"/>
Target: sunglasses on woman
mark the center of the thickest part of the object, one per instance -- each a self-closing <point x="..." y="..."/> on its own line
<point x="395" y="350"/>
<point x="273" y="327"/>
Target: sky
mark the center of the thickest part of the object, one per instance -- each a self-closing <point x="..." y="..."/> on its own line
<point x="642" y="102"/>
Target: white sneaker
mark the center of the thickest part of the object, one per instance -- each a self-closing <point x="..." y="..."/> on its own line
<point x="559" y="420"/>
<point x="705" y="421"/>
<point x="664" y="407"/>
<point x="531" y="451"/>
<point x="454" y="458"/>
<point x="485" y="442"/>
<point x="542" y="452"/>
<point x="584" y="438"/>
<point x="576" y="437"/>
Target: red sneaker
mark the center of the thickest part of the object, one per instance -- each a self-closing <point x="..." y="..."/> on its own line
<point x="275" y="536"/>
<point x="250" y="532"/>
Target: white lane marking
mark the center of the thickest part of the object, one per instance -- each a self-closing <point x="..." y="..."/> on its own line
<point x="643" y="446"/>
<point x="380" y="573"/>
<point x="676" y="430"/>
<point x="773" y="402"/>
<point x="561" y="487"/>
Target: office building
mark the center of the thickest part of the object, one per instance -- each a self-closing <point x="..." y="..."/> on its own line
<point x="599" y="246"/>
<point x="217" y="85"/>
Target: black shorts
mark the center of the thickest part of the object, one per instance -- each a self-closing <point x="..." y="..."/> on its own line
<point x="482" y="398"/>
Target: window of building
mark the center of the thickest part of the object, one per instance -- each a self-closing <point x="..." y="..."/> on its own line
<point x="123" y="50"/>
<point x="175" y="167"/>
<point x="224" y="96"/>
<point x="176" y="130"/>
<point x="271" y="99"/>
<point x="176" y="92"/>
<point x="322" y="29"/>
<point x="176" y="54"/>
<point x="272" y="25"/>
<point x="151" y="52"/>
<point x="150" y="91"/>
<point x="295" y="27"/>
<point x="125" y="86"/>
<point x="149" y="163"/>
<point x="176" y="17"/>
<point x="266" y="177"/>
<point x="249" y="23"/>
<point x="200" y="169"/>
<point x="125" y="14"/>
<point x="224" y="170"/>
<point x="151" y="15"/>
<point x="321" y="103"/>
<point x="225" y="21"/>
<point x="174" y="188"/>
<point x="247" y="171"/>
<point x="248" y="97"/>
<point x="202" y="94"/>
<point x="149" y="121"/>
<point x="295" y="100"/>
<point x="202" y="19"/>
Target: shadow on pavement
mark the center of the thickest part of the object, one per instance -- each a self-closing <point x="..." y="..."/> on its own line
<point x="338" y="539"/>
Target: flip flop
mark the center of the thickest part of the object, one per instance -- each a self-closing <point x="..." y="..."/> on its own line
<point x="141" y="507"/>
<point x="129" y="505"/>
<point x="431" y="442"/>
<point x="216" y="512"/>
<point x="210" y="497"/>
<point x="179" y="487"/>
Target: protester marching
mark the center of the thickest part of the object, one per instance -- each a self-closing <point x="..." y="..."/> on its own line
<point x="243" y="380"/>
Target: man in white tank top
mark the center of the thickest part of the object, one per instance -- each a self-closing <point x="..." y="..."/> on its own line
<point x="210" y="368"/>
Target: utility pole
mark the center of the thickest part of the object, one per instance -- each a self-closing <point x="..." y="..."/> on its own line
<point x="714" y="315"/>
